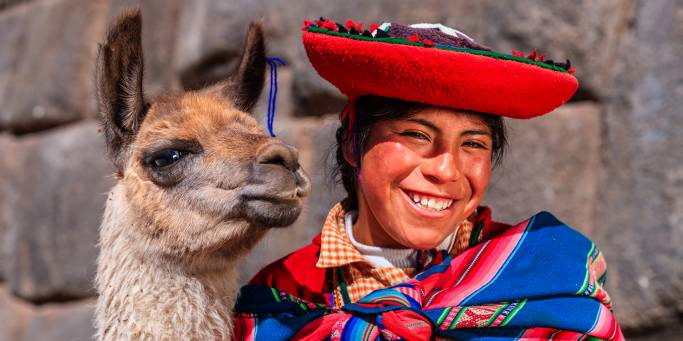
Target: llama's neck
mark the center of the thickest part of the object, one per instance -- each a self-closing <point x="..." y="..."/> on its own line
<point x="144" y="296"/>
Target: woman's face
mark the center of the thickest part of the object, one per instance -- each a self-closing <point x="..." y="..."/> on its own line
<point x="420" y="177"/>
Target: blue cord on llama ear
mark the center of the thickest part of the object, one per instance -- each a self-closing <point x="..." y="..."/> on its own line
<point x="272" y="94"/>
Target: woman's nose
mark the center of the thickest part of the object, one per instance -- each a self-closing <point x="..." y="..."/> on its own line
<point x="442" y="168"/>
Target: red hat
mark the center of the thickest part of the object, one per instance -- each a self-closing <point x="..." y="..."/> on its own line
<point x="436" y="65"/>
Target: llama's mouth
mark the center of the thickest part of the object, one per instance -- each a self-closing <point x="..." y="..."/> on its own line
<point x="269" y="211"/>
<point x="275" y="200"/>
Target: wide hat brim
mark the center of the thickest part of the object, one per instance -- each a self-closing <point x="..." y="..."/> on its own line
<point x="474" y="80"/>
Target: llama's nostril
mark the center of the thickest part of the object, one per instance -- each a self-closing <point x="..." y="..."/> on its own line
<point x="279" y="154"/>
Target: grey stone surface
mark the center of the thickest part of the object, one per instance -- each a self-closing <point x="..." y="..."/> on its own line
<point x="14" y="316"/>
<point x="160" y="26"/>
<point x="47" y="63"/>
<point x="586" y="32"/>
<point x="62" y="322"/>
<point x="553" y="164"/>
<point x="21" y="321"/>
<point x="8" y="146"/>
<point x="640" y="211"/>
<point x="6" y="3"/>
<point x="60" y="195"/>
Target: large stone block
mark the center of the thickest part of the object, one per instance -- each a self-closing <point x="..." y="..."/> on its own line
<point x="210" y="39"/>
<point x="71" y="321"/>
<point x="60" y="194"/>
<point x="6" y="3"/>
<point x="8" y="146"/>
<point x="22" y="321"/>
<point x="640" y="212"/>
<point x="48" y="54"/>
<point x="14" y="316"/>
<point x="553" y="163"/>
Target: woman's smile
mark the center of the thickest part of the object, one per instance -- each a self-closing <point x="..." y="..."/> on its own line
<point x="426" y="205"/>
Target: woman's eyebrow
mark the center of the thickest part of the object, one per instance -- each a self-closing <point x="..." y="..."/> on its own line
<point x="476" y="132"/>
<point x="425" y="123"/>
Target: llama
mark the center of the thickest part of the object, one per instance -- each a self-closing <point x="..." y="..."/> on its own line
<point x="199" y="183"/>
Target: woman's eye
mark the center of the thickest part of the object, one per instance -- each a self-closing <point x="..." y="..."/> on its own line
<point x="166" y="158"/>
<point x="474" y="144"/>
<point x="415" y="134"/>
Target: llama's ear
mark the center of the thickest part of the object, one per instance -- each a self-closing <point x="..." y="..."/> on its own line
<point x="245" y="85"/>
<point x="118" y="79"/>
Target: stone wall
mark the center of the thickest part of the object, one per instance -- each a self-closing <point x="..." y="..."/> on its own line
<point x="609" y="163"/>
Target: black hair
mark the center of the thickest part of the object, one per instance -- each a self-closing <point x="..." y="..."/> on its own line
<point x="373" y="109"/>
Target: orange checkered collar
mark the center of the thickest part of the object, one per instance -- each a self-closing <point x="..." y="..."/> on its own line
<point x="337" y="250"/>
<point x="335" y="247"/>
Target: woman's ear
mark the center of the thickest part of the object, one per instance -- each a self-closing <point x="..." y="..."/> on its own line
<point x="349" y="156"/>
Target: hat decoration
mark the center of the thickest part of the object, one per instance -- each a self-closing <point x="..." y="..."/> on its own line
<point x="436" y="65"/>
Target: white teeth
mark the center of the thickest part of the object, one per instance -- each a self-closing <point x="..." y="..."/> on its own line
<point x="431" y="203"/>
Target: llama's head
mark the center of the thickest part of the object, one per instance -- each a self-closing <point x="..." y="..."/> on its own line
<point x="198" y="173"/>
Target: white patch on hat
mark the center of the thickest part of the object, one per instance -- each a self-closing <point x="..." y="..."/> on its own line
<point x="384" y="27"/>
<point x="444" y="29"/>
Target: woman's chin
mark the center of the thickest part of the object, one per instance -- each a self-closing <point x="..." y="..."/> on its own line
<point x="420" y="238"/>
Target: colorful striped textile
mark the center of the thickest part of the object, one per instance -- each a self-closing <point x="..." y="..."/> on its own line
<point x="538" y="280"/>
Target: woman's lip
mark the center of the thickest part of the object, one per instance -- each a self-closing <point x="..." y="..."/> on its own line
<point x="423" y="212"/>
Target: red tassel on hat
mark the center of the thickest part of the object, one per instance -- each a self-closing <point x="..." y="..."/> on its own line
<point x="517" y="54"/>
<point x="330" y="25"/>
<point x="307" y="24"/>
<point x="428" y="43"/>
<point x="414" y="38"/>
<point x="373" y="26"/>
<point x="350" y="23"/>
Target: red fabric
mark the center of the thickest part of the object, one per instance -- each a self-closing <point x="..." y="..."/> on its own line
<point x="297" y="274"/>
<point x="438" y="77"/>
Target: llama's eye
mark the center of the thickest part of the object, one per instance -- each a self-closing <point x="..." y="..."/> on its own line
<point x="166" y="158"/>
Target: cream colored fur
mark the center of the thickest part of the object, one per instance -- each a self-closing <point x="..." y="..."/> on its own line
<point x="146" y="297"/>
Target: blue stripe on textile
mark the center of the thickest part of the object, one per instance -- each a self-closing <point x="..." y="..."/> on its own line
<point x="505" y="264"/>
<point x="596" y="320"/>
<point x="434" y="269"/>
<point x="566" y="313"/>
<point x="355" y="329"/>
<point x="282" y="327"/>
<point x="553" y="262"/>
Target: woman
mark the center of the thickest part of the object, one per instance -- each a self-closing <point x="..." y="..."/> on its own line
<point x="415" y="153"/>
